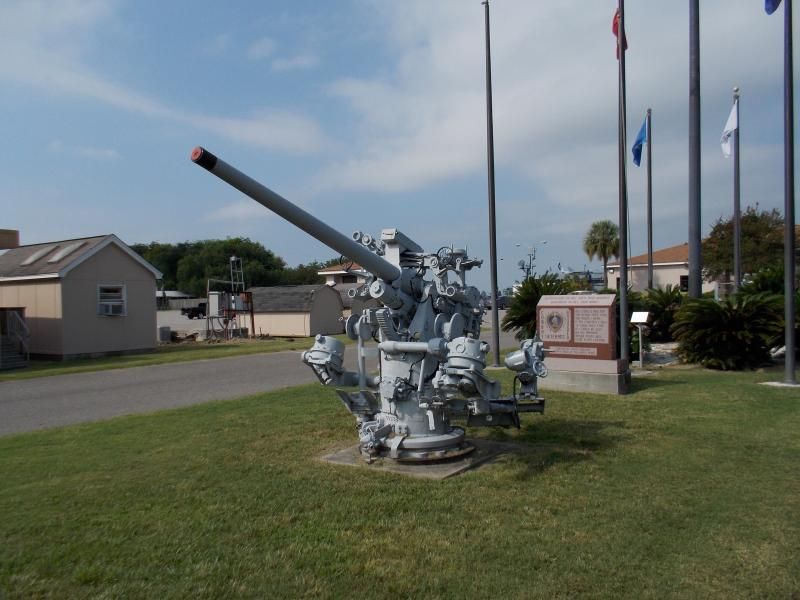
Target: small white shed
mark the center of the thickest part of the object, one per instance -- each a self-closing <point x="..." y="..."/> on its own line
<point x="297" y="310"/>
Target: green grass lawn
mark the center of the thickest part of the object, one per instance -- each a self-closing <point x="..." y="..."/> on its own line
<point x="172" y="353"/>
<point x="688" y="487"/>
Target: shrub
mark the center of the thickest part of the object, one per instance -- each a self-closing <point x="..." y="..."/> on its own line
<point x="634" y="337"/>
<point x="662" y="305"/>
<point x="730" y="335"/>
<point x="765" y="280"/>
<point x="771" y="280"/>
<point x="636" y="302"/>
<point x="521" y="313"/>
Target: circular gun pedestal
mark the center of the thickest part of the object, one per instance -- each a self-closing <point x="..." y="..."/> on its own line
<point x="420" y="449"/>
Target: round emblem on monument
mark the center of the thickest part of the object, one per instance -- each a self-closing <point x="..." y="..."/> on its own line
<point x="555" y="321"/>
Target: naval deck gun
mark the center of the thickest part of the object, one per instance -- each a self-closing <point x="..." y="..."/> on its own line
<point x="426" y="333"/>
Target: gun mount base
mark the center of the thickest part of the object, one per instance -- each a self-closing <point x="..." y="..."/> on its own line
<point x="419" y="449"/>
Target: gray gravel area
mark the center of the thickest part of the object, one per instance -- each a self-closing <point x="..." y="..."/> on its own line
<point x="178" y="322"/>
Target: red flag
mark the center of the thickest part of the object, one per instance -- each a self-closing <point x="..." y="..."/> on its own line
<point x="615" y="31"/>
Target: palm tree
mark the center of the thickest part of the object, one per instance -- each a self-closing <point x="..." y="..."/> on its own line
<point x="521" y="314"/>
<point x="602" y="241"/>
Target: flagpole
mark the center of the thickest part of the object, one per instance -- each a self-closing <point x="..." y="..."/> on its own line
<point x="737" y="215"/>
<point x="649" y="201"/>
<point x="490" y="168"/>
<point x="695" y="277"/>
<point x="623" y="192"/>
<point x="788" y="216"/>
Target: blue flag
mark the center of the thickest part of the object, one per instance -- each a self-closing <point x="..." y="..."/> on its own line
<point x="641" y="139"/>
<point x="771" y="6"/>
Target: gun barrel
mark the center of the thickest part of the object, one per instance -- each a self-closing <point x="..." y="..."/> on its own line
<point x="295" y="215"/>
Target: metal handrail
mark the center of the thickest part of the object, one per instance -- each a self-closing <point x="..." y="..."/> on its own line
<point x="18" y="330"/>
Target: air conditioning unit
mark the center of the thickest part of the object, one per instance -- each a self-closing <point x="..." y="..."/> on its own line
<point x="111" y="310"/>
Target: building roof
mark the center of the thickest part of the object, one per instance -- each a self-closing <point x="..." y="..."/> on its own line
<point x="673" y="255"/>
<point x="288" y="298"/>
<point x="55" y="259"/>
<point x="666" y="256"/>
<point x="347" y="267"/>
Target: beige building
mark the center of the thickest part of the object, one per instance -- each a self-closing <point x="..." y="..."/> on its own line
<point x="297" y="310"/>
<point x="345" y="273"/>
<point x="344" y="278"/>
<point x="80" y="298"/>
<point x="670" y="267"/>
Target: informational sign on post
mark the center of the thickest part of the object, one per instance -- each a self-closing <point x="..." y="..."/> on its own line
<point x="640" y="320"/>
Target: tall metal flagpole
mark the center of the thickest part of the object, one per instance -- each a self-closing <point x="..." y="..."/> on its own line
<point x="695" y="266"/>
<point x="492" y="222"/>
<point x="625" y="350"/>
<point x="788" y="216"/>
<point x="737" y="214"/>
<point x="649" y="201"/>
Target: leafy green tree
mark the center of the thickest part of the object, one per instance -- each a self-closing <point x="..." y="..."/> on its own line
<point x="210" y="259"/>
<point x="602" y="241"/>
<point x="762" y="243"/>
<point x="163" y="257"/>
<point x="188" y="266"/>
<point x="521" y="313"/>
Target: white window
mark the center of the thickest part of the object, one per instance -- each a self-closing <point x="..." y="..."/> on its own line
<point x="111" y="300"/>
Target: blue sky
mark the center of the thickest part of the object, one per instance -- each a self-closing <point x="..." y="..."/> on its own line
<point x="370" y="114"/>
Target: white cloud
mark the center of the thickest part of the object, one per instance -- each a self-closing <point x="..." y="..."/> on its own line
<point x="419" y="120"/>
<point x="59" y="147"/>
<point x="274" y="129"/>
<point x="244" y="210"/>
<point x="554" y="90"/>
<point x="97" y="153"/>
<point x="218" y="44"/>
<point x="44" y="39"/>
<point x="299" y="62"/>
<point x="261" y="48"/>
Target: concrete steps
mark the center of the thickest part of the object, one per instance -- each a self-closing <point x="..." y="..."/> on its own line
<point x="10" y="357"/>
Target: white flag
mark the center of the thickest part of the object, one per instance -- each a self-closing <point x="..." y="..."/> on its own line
<point x="731" y="126"/>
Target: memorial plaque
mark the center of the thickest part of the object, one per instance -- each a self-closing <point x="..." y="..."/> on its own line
<point x="591" y="325"/>
<point x="578" y="326"/>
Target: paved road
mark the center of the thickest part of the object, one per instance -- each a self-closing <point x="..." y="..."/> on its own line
<point x="67" y="399"/>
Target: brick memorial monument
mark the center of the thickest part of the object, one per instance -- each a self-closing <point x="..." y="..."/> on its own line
<point x="580" y="336"/>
